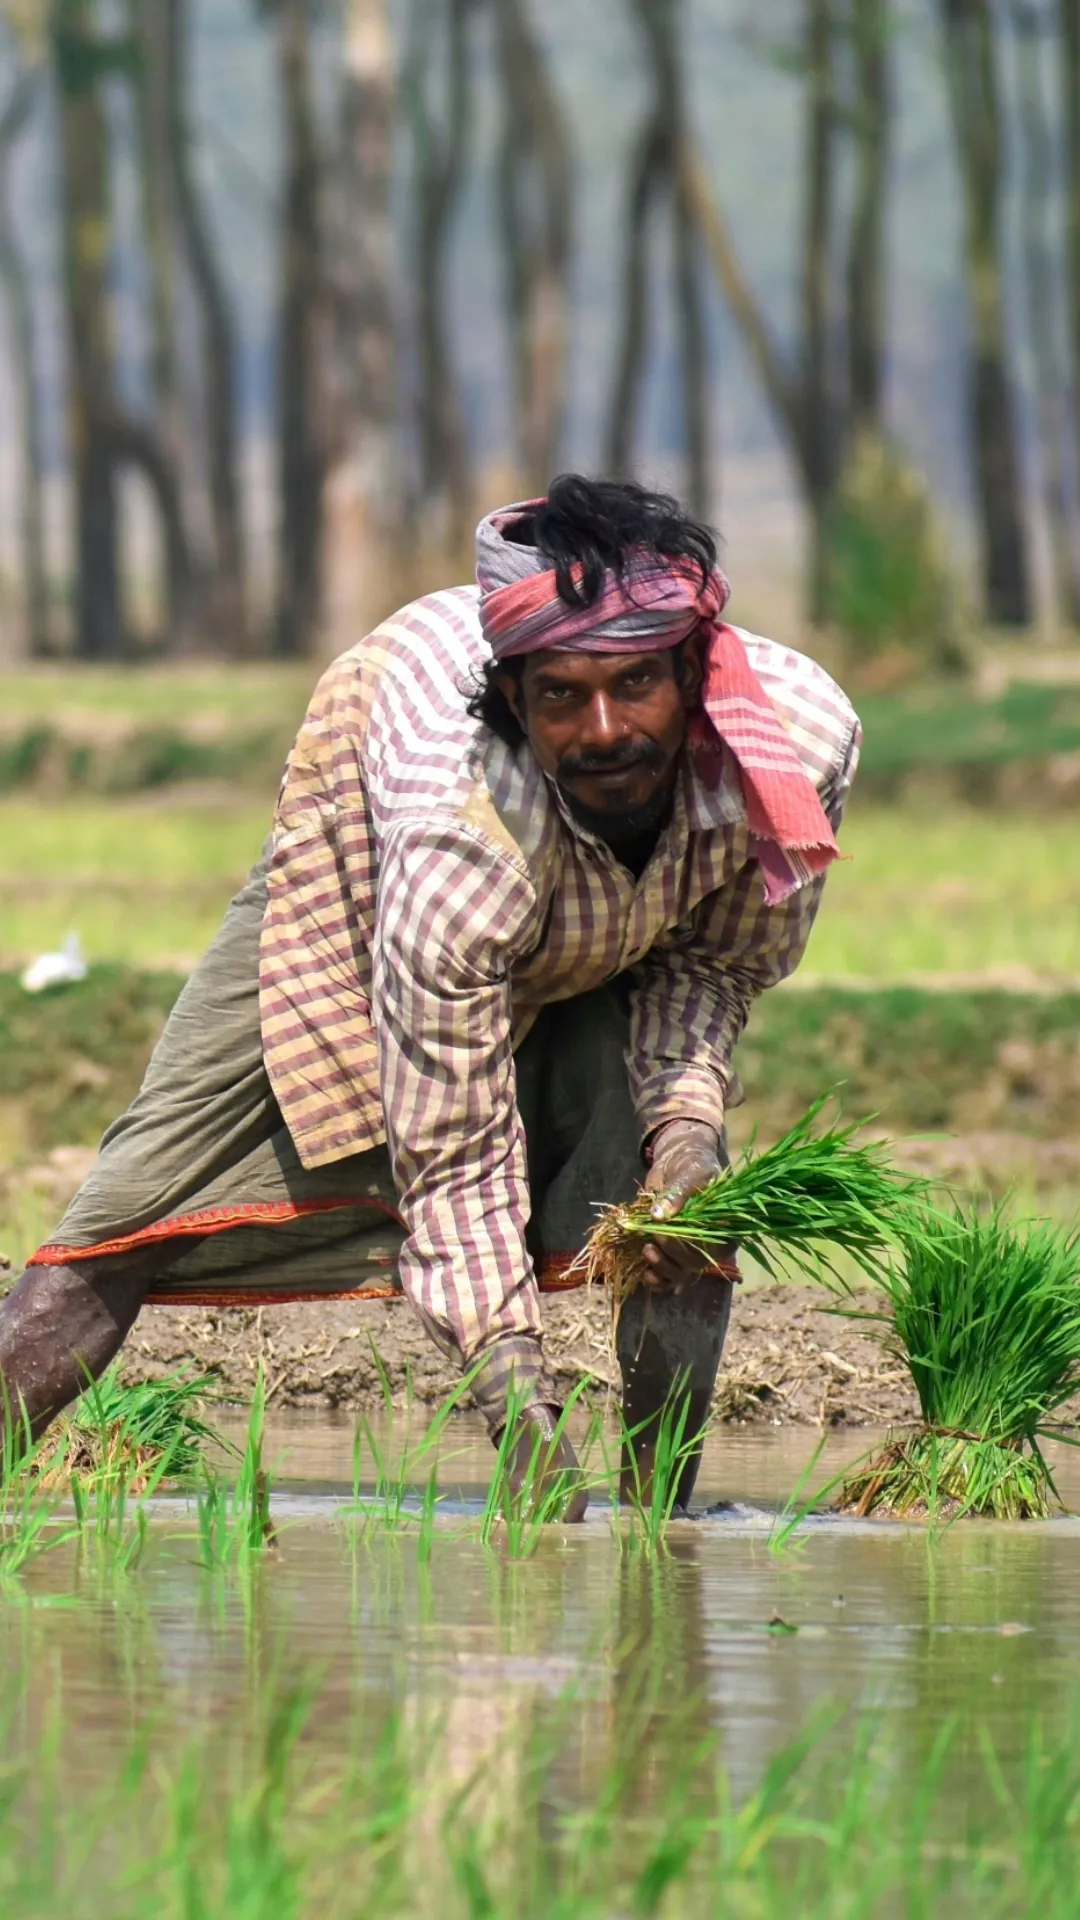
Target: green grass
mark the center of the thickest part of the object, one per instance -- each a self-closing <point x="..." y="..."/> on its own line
<point x="985" y="1315"/>
<point x="948" y="890"/>
<point x="209" y="700"/>
<point x="934" y="890"/>
<point x="144" y="883"/>
<point x="940" y="730"/>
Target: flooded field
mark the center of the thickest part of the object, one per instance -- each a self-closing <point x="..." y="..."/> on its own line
<point x="360" y="1718"/>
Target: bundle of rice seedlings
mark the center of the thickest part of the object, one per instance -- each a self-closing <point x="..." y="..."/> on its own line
<point x="986" y="1317"/>
<point x="813" y="1195"/>
<point x="129" y="1433"/>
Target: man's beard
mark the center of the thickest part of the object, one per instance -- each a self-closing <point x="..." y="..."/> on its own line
<point x="624" y="830"/>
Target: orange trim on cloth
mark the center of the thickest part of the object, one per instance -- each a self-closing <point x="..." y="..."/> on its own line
<point x="269" y="1213"/>
<point x="559" y="1272"/>
<point x="234" y="1297"/>
<point x="555" y="1276"/>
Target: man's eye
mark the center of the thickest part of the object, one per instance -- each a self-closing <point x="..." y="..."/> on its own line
<point x="557" y="693"/>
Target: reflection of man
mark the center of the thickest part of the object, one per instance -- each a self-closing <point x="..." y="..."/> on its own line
<point x="491" y="971"/>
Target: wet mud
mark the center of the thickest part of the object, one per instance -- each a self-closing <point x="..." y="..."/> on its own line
<point x="789" y="1359"/>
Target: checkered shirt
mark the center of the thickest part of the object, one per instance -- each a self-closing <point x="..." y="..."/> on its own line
<point x="429" y="894"/>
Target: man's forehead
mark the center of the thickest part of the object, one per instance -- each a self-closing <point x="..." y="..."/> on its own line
<point x="587" y="663"/>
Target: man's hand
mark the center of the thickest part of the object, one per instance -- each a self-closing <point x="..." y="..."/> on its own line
<point x="685" y="1158"/>
<point x="540" y="1460"/>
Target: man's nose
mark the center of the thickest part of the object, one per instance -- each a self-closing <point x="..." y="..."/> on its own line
<point x="604" y="725"/>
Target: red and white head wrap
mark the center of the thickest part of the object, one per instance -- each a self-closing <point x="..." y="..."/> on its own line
<point x="656" y="604"/>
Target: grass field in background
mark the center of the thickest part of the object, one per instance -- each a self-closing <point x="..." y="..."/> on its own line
<point x="952" y="891"/>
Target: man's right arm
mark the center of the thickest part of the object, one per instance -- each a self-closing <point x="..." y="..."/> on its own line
<point x="451" y="911"/>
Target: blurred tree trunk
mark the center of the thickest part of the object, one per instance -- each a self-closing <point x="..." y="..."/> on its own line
<point x="1044" y="308"/>
<point x="866" y="251"/>
<point x="969" y="28"/>
<point x="823" y="423"/>
<point x="16" y="285"/>
<point x="148" y="26"/>
<point x="536" y="199"/>
<point x="84" y="153"/>
<point x="646" y="176"/>
<point x="219" y="351"/>
<point x="658" y="173"/>
<point x="161" y="458"/>
<point x="363" y="491"/>
<point x="302" y="446"/>
<point x="104" y="437"/>
<point x="439" y="158"/>
<point x="809" y="396"/>
<point x="1070" y="82"/>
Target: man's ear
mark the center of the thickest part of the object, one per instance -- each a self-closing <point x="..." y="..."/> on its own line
<point x="693" y="668"/>
<point x="509" y="685"/>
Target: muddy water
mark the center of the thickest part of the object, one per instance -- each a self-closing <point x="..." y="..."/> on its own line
<point x="729" y="1635"/>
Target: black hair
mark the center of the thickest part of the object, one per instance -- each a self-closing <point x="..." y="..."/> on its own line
<point x="596" y="526"/>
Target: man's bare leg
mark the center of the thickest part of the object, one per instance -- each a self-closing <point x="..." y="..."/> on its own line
<point x="60" y="1326"/>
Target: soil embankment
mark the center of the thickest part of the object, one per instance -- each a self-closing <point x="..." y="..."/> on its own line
<point x="789" y="1360"/>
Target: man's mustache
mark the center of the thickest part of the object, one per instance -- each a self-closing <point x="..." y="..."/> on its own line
<point x="620" y="759"/>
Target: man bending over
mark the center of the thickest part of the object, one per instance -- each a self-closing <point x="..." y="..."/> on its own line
<point x="539" y="844"/>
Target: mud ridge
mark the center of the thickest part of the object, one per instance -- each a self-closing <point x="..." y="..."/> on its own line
<point x="789" y="1361"/>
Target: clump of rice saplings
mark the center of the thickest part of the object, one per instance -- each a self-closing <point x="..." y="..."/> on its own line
<point x="130" y="1432"/>
<point x="984" y="1314"/>
<point x="815" y="1194"/>
<point x="986" y="1318"/>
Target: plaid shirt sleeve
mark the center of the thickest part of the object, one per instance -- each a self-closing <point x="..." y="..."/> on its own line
<point x="451" y="911"/>
<point x="691" y="1001"/>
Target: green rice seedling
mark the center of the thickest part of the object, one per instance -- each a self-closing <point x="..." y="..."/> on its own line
<point x="29" y="1519"/>
<point x="116" y="1432"/>
<point x="391" y="1505"/>
<point x="985" y="1315"/>
<point x="235" y="1522"/>
<point x="812" y="1195"/>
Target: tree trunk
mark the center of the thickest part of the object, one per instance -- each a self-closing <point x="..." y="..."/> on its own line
<point x="971" y="72"/>
<point x="16" y="284"/>
<point x="148" y="27"/>
<point x="646" y="181"/>
<point x="662" y="168"/>
<point x="1044" y="310"/>
<point x="536" y="197"/>
<point x="446" y="483"/>
<point x="99" y="632"/>
<point x="218" y="343"/>
<point x="301" y="418"/>
<point x="821" y="438"/>
<point x="866" y="251"/>
<point x="664" y="21"/>
<point x="363" y="492"/>
<point x="1070" y="82"/>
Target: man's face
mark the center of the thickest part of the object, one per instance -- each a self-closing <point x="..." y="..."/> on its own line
<point x="608" y="726"/>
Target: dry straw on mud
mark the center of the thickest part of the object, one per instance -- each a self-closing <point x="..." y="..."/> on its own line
<point x="799" y="1204"/>
<point x="986" y="1317"/>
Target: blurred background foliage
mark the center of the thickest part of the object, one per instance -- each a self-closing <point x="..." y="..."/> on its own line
<point x="291" y="289"/>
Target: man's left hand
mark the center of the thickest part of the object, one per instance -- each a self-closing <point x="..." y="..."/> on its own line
<point x="685" y="1158"/>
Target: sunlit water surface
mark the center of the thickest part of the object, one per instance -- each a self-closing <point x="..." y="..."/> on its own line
<point x="981" y="1622"/>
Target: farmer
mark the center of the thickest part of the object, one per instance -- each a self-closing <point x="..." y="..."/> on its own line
<point x="538" y="846"/>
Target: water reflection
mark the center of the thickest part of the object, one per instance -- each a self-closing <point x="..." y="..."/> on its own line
<point x="619" y="1656"/>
